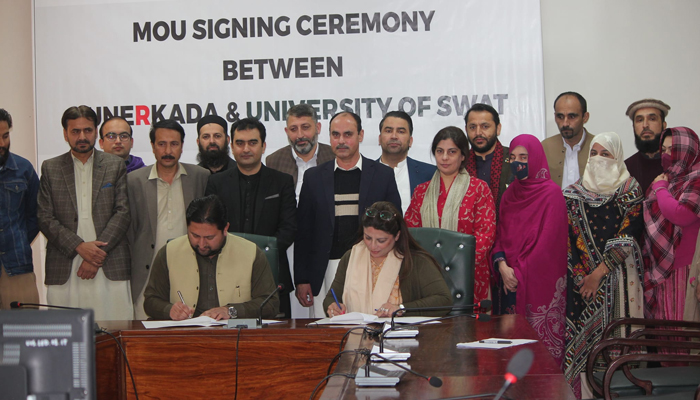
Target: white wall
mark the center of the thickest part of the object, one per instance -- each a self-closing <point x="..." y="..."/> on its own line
<point x="612" y="52"/>
<point x="617" y="52"/>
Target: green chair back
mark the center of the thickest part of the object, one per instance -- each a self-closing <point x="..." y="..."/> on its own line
<point x="267" y="244"/>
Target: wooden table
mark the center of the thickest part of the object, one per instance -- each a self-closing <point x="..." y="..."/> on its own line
<point x="463" y="371"/>
<point x="280" y="361"/>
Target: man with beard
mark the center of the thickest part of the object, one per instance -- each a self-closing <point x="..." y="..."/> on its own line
<point x="158" y="195"/>
<point x="488" y="160"/>
<point x="213" y="142"/>
<point x="648" y="121"/>
<point x="83" y="211"/>
<point x="18" y="220"/>
<point x="233" y="273"/>
<point x="395" y="138"/>
<point x="567" y="154"/>
<point x="116" y="137"/>
<point x="304" y="150"/>
<point x="258" y="199"/>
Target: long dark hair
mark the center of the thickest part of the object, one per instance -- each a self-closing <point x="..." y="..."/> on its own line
<point x="458" y="137"/>
<point x="406" y="246"/>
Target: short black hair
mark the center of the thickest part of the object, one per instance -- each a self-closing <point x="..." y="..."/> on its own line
<point x="102" y="136"/>
<point x="207" y="210"/>
<point x="167" y="124"/>
<point x="581" y="101"/>
<point x="457" y="135"/>
<point x="483" y="107"/>
<point x="248" y="124"/>
<point x="397" y="114"/>
<point x="5" y="116"/>
<point x="356" y="117"/>
<point x="78" y="112"/>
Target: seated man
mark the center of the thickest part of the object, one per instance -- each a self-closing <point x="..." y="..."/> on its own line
<point x="233" y="272"/>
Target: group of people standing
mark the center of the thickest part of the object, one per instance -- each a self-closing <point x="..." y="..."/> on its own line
<point x="568" y="233"/>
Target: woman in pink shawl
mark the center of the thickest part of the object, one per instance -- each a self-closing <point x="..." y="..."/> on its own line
<point x="529" y="255"/>
<point x="672" y="217"/>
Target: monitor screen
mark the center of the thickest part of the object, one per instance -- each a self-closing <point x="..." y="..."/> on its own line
<point x="50" y="354"/>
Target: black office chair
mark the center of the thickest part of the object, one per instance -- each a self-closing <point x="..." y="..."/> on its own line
<point x="268" y="244"/>
<point x="455" y="253"/>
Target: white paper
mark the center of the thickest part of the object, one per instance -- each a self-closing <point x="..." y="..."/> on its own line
<point x="494" y="346"/>
<point x="199" y="321"/>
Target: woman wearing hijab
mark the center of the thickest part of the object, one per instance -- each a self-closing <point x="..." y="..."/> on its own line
<point x="529" y="255"/>
<point x="672" y="217"/>
<point x="455" y="201"/>
<point x="386" y="269"/>
<point x="604" y="259"/>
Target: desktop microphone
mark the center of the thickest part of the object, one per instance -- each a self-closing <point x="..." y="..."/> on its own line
<point x="279" y="288"/>
<point x="17" y="304"/>
<point x="479" y="317"/>
<point x="518" y="366"/>
<point x="434" y="381"/>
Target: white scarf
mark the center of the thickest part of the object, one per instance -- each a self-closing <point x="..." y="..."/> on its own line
<point x="604" y="175"/>
<point x="358" y="295"/>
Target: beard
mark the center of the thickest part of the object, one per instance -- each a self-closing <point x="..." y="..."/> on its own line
<point x="4" y="154"/>
<point x="490" y="142"/>
<point x="647" y="146"/>
<point x="83" y="151"/>
<point x="306" y="149"/>
<point x="213" y="158"/>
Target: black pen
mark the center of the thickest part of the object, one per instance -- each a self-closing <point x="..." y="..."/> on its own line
<point x="490" y="341"/>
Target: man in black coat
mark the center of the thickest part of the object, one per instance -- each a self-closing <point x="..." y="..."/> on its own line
<point x="258" y="199"/>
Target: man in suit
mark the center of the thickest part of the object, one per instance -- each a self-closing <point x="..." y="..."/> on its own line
<point x="258" y="199"/>
<point x="567" y="154"/>
<point x="84" y="214"/>
<point x="333" y="197"/>
<point x="304" y="150"/>
<point x="213" y="142"/>
<point x="395" y="138"/>
<point x="158" y="197"/>
<point x="488" y="160"/>
<point x="116" y="137"/>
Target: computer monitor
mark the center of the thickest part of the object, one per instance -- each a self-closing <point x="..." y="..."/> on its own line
<point x="47" y="354"/>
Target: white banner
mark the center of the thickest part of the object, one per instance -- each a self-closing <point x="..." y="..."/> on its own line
<point x="150" y="60"/>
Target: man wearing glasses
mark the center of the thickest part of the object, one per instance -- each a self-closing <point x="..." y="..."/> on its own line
<point x="116" y="138"/>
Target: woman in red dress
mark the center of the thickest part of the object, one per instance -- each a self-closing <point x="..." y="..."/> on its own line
<point x="455" y="201"/>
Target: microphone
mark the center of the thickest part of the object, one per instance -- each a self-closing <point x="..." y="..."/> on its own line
<point x="434" y="381"/>
<point x="518" y="366"/>
<point x="279" y="288"/>
<point x="394" y="327"/>
<point x="17" y="304"/>
<point x="486" y="304"/>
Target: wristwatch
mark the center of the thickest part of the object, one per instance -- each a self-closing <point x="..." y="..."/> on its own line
<point x="232" y="312"/>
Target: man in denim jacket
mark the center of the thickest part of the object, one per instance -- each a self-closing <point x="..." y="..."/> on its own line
<point x="18" y="222"/>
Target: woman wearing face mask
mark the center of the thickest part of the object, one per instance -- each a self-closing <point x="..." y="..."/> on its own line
<point x="529" y="255"/>
<point x="672" y="217"/>
<point x="455" y="201"/>
<point x="386" y="269"/>
<point x="604" y="260"/>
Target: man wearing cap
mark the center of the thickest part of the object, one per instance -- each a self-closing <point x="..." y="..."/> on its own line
<point x="116" y="137"/>
<point x="158" y="197"/>
<point x="213" y="142"/>
<point x="648" y="121"/>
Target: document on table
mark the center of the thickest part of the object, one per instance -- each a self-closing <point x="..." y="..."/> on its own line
<point x="199" y="321"/>
<point x="494" y="343"/>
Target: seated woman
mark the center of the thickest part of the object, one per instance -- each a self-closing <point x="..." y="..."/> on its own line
<point x="455" y="201"/>
<point x="529" y="256"/>
<point x="605" y="261"/>
<point x="387" y="269"/>
<point x="672" y="218"/>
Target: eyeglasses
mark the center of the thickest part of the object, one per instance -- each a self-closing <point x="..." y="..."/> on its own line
<point x="112" y="137"/>
<point x="383" y="215"/>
